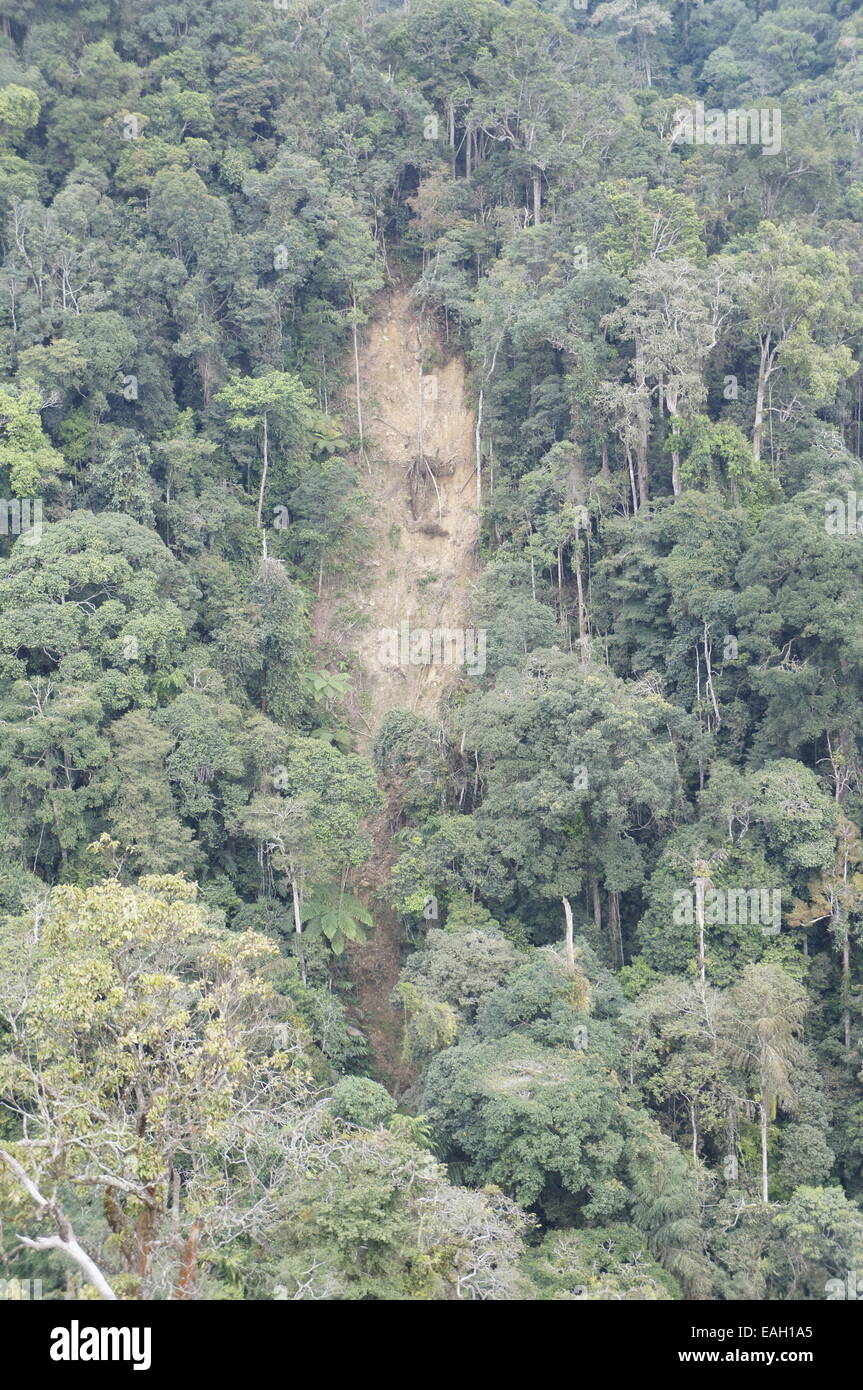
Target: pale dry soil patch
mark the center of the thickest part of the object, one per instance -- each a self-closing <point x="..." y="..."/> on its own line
<point x="421" y="568"/>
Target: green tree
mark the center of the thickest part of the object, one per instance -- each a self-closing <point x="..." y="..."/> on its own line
<point x="139" y="1038"/>
<point x="795" y="302"/>
<point x="26" y="454"/>
<point x="763" y="1039"/>
<point x="250" y="402"/>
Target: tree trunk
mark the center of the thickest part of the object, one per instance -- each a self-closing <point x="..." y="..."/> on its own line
<point x="262" y="489"/>
<point x="478" y="441"/>
<point x="450" y="110"/>
<point x="709" y="678"/>
<point x="641" y="458"/>
<point x="699" y="917"/>
<point x="597" y="902"/>
<point x="643" y="420"/>
<point x="846" y="984"/>
<point x="765" y="1186"/>
<point x="298" y="921"/>
<point x="763" y="373"/>
<point x="478" y="435"/>
<point x="357" y="375"/>
<point x="69" y="1246"/>
<point x="615" y="937"/>
<point x="675" y="450"/>
<point x="189" y="1263"/>
<point x="569" y="948"/>
<point x="632" y="479"/>
<point x="582" y="624"/>
<point x="421" y="419"/>
<point x="65" y="1239"/>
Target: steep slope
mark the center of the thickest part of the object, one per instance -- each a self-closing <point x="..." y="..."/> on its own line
<point x="418" y="470"/>
<point x="420" y="477"/>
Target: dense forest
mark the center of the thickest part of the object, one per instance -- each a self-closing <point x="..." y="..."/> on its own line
<point x="431" y="767"/>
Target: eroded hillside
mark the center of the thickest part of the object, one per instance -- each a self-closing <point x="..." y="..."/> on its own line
<point x="418" y="470"/>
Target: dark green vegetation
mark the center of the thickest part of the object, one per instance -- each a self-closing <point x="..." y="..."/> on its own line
<point x="201" y="205"/>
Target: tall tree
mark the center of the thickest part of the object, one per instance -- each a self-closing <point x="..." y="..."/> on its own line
<point x="251" y="402"/>
<point x="763" y="1038"/>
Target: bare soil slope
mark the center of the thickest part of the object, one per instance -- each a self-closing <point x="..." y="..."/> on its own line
<point x="420" y="477"/>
